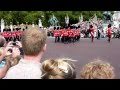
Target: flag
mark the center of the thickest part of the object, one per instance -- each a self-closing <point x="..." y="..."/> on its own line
<point x="95" y="18"/>
<point x="53" y="20"/>
<point x="2" y="25"/>
<point x="81" y="18"/>
<point x="53" y="16"/>
<point x="11" y="26"/>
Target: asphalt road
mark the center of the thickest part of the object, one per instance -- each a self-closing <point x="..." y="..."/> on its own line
<point x="84" y="51"/>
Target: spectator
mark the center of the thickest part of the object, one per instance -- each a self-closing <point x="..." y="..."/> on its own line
<point x="7" y="58"/>
<point x="34" y="45"/>
<point x="2" y="41"/>
<point x="4" y="66"/>
<point x="97" y="70"/>
<point x="14" y="57"/>
<point x="58" y="69"/>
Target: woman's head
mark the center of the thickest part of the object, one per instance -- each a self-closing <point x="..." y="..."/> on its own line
<point x="58" y="69"/>
<point x="97" y="70"/>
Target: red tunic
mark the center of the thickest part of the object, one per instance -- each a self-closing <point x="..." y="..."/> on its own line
<point x="71" y="33"/>
<point x="4" y="34"/>
<point x="109" y="31"/>
<point x="9" y="34"/>
<point x="75" y="33"/>
<point x="92" y="32"/>
<point x="65" y="33"/>
<point x="17" y="33"/>
<point x="13" y="34"/>
<point x="60" y="31"/>
<point x="56" y="33"/>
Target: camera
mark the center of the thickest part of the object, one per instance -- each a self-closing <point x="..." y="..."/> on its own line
<point x="10" y="50"/>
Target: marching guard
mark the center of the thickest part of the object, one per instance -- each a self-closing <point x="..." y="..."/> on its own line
<point x="109" y="33"/>
<point x="92" y="33"/>
<point x="57" y="35"/>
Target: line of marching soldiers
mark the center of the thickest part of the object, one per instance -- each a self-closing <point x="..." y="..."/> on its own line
<point x="67" y="35"/>
<point x="72" y="35"/>
<point x="12" y="36"/>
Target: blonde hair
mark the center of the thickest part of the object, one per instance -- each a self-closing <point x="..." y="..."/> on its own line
<point x="97" y="70"/>
<point x="33" y="41"/>
<point x="60" y="68"/>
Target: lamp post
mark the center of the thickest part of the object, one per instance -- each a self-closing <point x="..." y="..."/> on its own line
<point x="11" y="26"/>
<point x="40" y="23"/>
<point x="67" y="20"/>
<point x="2" y="25"/>
<point x="43" y="18"/>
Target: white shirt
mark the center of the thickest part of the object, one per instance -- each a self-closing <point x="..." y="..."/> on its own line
<point x="25" y="69"/>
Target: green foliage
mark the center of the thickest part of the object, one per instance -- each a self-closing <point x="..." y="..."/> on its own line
<point x="33" y="16"/>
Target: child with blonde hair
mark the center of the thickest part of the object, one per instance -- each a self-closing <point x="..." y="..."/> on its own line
<point x="97" y="69"/>
<point x="61" y="68"/>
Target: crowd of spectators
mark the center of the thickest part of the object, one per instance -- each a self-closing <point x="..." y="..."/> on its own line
<point x="22" y="60"/>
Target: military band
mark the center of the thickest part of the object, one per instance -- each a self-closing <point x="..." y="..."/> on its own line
<point x="67" y="35"/>
<point x="14" y="35"/>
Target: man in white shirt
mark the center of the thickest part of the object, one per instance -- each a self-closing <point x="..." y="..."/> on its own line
<point x="29" y="67"/>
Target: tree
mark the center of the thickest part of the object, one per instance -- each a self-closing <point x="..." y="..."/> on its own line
<point x="33" y="16"/>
